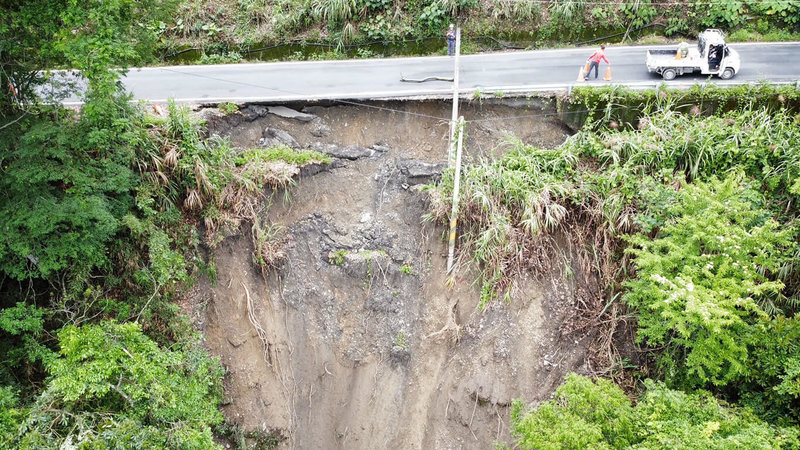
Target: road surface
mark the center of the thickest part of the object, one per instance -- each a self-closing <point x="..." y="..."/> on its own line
<point x="524" y="71"/>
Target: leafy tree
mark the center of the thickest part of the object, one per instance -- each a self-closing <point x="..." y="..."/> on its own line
<point x="65" y="179"/>
<point x="596" y="414"/>
<point x="65" y="184"/>
<point x="113" y="387"/>
<point x="90" y="35"/>
<point x="772" y="385"/>
<point x="21" y="330"/>
<point x="673" y="419"/>
<point x="583" y="413"/>
<point x="698" y="284"/>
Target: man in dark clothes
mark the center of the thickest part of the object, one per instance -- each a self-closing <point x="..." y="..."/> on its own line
<point x="451" y="40"/>
<point x="714" y="57"/>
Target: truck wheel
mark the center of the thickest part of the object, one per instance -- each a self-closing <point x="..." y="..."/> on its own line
<point x="668" y="74"/>
<point x="726" y="74"/>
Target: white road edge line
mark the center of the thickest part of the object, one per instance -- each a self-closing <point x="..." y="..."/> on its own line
<point x="362" y="96"/>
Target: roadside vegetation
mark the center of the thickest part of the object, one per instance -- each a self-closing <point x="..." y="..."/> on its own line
<point x="107" y="214"/>
<point x="687" y="219"/>
<point x="226" y="30"/>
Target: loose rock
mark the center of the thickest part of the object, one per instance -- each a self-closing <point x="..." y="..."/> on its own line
<point x="274" y="136"/>
<point x="289" y="113"/>
<point x="419" y="171"/>
<point x="320" y="129"/>
<point x="253" y="112"/>
<point x="351" y="152"/>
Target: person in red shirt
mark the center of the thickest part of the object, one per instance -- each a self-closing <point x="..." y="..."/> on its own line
<point x="594" y="61"/>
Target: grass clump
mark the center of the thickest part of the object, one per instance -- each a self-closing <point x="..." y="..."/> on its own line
<point x="602" y="185"/>
<point x="337" y="258"/>
<point x="282" y="153"/>
<point x="228" y="107"/>
<point x="507" y="205"/>
<point x="219" y="185"/>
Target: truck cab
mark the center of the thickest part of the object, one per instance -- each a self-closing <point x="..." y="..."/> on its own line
<point x="715" y="55"/>
<point x="712" y="56"/>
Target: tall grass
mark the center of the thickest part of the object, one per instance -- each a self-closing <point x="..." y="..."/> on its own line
<point x="599" y="186"/>
<point x="336" y="11"/>
<point x="217" y="183"/>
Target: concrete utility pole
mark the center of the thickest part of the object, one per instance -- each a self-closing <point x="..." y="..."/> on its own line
<point x="456" y="187"/>
<point x="451" y="151"/>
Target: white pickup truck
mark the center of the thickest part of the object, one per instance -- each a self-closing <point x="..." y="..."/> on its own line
<point x="711" y="57"/>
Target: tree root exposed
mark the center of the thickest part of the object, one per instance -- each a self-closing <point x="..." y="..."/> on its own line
<point x="262" y="334"/>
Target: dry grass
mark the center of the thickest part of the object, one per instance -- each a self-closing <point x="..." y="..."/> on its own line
<point x="222" y="186"/>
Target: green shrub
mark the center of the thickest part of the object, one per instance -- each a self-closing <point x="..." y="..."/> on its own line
<point x="582" y="414"/>
<point x="377" y="28"/>
<point x="65" y="185"/>
<point x="596" y="414"/>
<point x="433" y="18"/>
<point x="699" y="282"/>
<point x="11" y="415"/>
<point x="113" y="385"/>
<point x="773" y="382"/>
<point x="674" y="419"/>
<point x="228" y="107"/>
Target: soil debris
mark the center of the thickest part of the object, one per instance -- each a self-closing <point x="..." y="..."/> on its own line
<point x="289" y="113"/>
<point x="363" y="341"/>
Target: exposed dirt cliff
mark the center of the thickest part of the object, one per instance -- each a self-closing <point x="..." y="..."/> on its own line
<point x="358" y="340"/>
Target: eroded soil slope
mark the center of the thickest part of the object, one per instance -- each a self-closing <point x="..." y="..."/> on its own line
<point x="357" y="340"/>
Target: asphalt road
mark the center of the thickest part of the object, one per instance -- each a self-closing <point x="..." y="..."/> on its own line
<point x="528" y="71"/>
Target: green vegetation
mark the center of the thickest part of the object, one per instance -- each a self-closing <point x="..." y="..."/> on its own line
<point x="101" y="210"/>
<point x="683" y="205"/>
<point x="689" y="221"/>
<point x="341" y="26"/>
<point x="113" y="384"/>
<point x="228" y="107"/>
<point x="282" y="153"/>
<point x="337" y="258"/>
<point x="703" y="282"/>
<point x="400" y="341"/>
<point x="587" y="414"/>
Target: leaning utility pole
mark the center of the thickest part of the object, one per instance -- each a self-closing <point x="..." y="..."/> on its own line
<point x="451" y="149"/>
<point x="456" y="188"/>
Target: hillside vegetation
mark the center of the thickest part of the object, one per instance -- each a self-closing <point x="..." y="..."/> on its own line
<point x="225" y="30"/>
<point x="691" y="220"/>
<point x="101" y="213"/>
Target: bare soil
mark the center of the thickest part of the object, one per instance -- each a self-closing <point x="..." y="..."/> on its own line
<point x="358" y="340"/>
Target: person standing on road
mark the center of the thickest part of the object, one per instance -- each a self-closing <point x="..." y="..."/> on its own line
<point x="451" y="40"/>
<point x="594" y="62"/>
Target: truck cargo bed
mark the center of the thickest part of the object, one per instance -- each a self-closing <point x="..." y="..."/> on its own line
<point x="662" y="52"/>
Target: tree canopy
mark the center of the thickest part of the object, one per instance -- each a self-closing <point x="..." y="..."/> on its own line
<point x="588" y="413"/>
